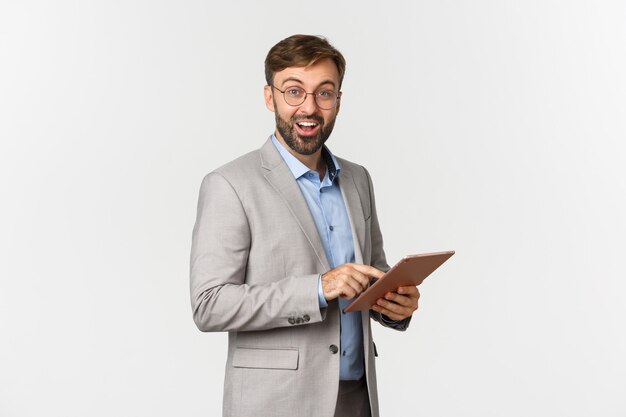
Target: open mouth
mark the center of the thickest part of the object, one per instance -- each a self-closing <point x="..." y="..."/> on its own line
<point x="307" y="128"/>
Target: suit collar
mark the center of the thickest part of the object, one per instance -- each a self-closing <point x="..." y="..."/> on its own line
<point x="352" y="200"/>
<point x="270" y="158"/>
<point x="282" y="180"/>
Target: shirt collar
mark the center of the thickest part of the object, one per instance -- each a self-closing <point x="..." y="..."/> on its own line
<point x="298" y="169"/>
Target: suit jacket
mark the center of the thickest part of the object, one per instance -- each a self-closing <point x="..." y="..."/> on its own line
<point x="255" y="260"/>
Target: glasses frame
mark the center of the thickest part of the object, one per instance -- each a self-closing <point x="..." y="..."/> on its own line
<point x="314" y="94"/>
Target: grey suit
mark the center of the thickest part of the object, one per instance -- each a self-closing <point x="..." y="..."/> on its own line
<point x="255" y="260"/>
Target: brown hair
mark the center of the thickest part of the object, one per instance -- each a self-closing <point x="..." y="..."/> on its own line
<point x="301" y="51"/>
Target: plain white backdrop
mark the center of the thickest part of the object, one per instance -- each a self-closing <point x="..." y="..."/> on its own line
<point x="494" y="128"/>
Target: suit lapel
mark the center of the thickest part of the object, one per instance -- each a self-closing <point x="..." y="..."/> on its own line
<point x="281" y="178"/>
<point x="354" y="208"/>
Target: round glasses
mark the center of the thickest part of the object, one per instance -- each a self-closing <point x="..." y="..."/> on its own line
<point x="325" y="99"/>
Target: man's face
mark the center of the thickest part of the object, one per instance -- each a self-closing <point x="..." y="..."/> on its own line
<point x="306" y="127"/>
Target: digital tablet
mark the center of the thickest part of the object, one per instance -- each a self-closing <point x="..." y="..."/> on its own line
<point x="410" y="270"/>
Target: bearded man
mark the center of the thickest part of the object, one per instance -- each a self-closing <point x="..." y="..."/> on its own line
<point x="285" y="237"/>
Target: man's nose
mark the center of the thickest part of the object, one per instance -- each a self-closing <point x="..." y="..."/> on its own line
<point x="310" y="105"/>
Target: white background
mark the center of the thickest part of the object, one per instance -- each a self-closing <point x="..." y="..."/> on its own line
<point x="494" y="128"/>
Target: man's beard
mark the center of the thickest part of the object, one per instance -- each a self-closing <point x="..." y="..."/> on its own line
<point x="304" y="145"/>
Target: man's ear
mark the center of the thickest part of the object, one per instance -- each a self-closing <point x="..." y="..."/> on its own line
<point x="337" y="106"/>
<point x="269" y="98"/>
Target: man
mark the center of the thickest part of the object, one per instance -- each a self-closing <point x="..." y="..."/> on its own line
<point x="285" y="236"/>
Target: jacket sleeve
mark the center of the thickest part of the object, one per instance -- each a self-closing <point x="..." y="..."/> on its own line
<point x="379" y="260"/>
<point x="221" y="298"/>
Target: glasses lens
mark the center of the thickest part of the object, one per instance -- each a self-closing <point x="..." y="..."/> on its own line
<point x="294" y="96"/>
<point x="326" y="99"/>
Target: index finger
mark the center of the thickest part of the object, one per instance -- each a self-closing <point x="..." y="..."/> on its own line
<point x="368" y="270"/>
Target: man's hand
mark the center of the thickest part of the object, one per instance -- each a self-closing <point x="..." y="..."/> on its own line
<point x="398" y="305"/>
<point x="348" y="280"/>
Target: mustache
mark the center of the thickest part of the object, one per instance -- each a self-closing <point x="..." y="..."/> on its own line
<point x="317" y="118"/>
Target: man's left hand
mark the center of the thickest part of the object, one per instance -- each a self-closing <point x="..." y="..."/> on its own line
<point x="398" y="305"/>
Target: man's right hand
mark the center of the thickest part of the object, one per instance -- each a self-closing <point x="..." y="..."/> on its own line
<point x="348" y="280"/>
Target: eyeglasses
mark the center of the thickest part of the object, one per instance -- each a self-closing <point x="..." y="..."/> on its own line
<point x="325" y="99"/>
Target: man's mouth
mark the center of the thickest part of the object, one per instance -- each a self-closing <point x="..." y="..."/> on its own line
<point x="307" y="128"/>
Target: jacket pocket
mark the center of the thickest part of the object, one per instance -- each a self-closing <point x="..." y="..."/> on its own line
<point x="281" y="358"/>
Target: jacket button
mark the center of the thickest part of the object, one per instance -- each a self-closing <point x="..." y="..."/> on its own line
<point x="299" y="320"/>
<point x="306" y="318"/>
<point x="333" y="348"/>
<point x="291" y="320"/>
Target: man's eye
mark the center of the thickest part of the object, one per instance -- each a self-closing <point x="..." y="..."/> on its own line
<point x="325" y="93"/>
<point x="294" y="92"/>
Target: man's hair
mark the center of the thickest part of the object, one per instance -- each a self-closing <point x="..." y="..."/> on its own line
<point x="301" y="51"/>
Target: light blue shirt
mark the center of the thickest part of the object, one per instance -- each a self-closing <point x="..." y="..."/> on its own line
<point x="329" y="212"/>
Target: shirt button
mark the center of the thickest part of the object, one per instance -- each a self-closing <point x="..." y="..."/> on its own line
<point x="331" y="228"/>
<point x="333" y="348"/>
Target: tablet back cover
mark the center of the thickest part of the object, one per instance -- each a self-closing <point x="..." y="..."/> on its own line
<point x="410" y="270"/>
